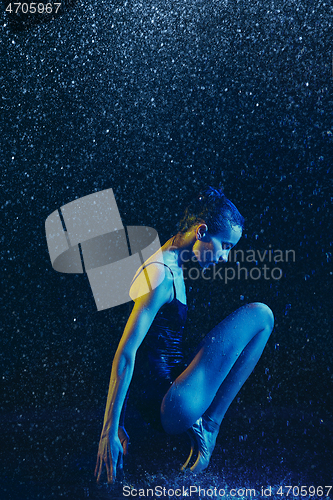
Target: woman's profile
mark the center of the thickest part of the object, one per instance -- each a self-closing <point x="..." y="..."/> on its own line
<point x="179" y="397"/>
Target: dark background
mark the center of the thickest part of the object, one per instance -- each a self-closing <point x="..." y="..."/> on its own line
<point x="156" y="100"/>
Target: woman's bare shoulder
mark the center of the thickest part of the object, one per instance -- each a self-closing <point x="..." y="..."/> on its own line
<point x="153" y="274"/>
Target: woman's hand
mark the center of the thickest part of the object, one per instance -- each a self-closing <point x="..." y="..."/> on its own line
<point x="110" y="453"/>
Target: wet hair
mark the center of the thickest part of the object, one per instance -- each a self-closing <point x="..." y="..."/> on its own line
<point x="213" y="208"/>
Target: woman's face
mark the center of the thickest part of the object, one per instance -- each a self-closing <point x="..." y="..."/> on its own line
<point x="210" y="250"/>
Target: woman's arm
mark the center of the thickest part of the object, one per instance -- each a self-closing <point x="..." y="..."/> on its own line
<point x="144" y="311"/>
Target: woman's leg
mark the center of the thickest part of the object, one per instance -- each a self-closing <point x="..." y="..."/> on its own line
<point x="224" y="361"/>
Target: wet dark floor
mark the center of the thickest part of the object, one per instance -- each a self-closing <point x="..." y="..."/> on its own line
<point x="49" y="455"/>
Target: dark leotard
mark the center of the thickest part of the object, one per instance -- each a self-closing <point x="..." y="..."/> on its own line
<point x="159" y="359"/>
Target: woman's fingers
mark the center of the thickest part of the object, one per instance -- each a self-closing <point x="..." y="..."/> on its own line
<point x="125" y="445"/>
<point x="109" y="472"/>
<point x="111" y="466"/>
<point x="98" y="468"/>
<point x="111" y="457"/>
<point x="124" y="439"/>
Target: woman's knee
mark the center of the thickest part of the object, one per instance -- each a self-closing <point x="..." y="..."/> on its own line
<point x="173" y="418"/>
<point x="263" y="314"/>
